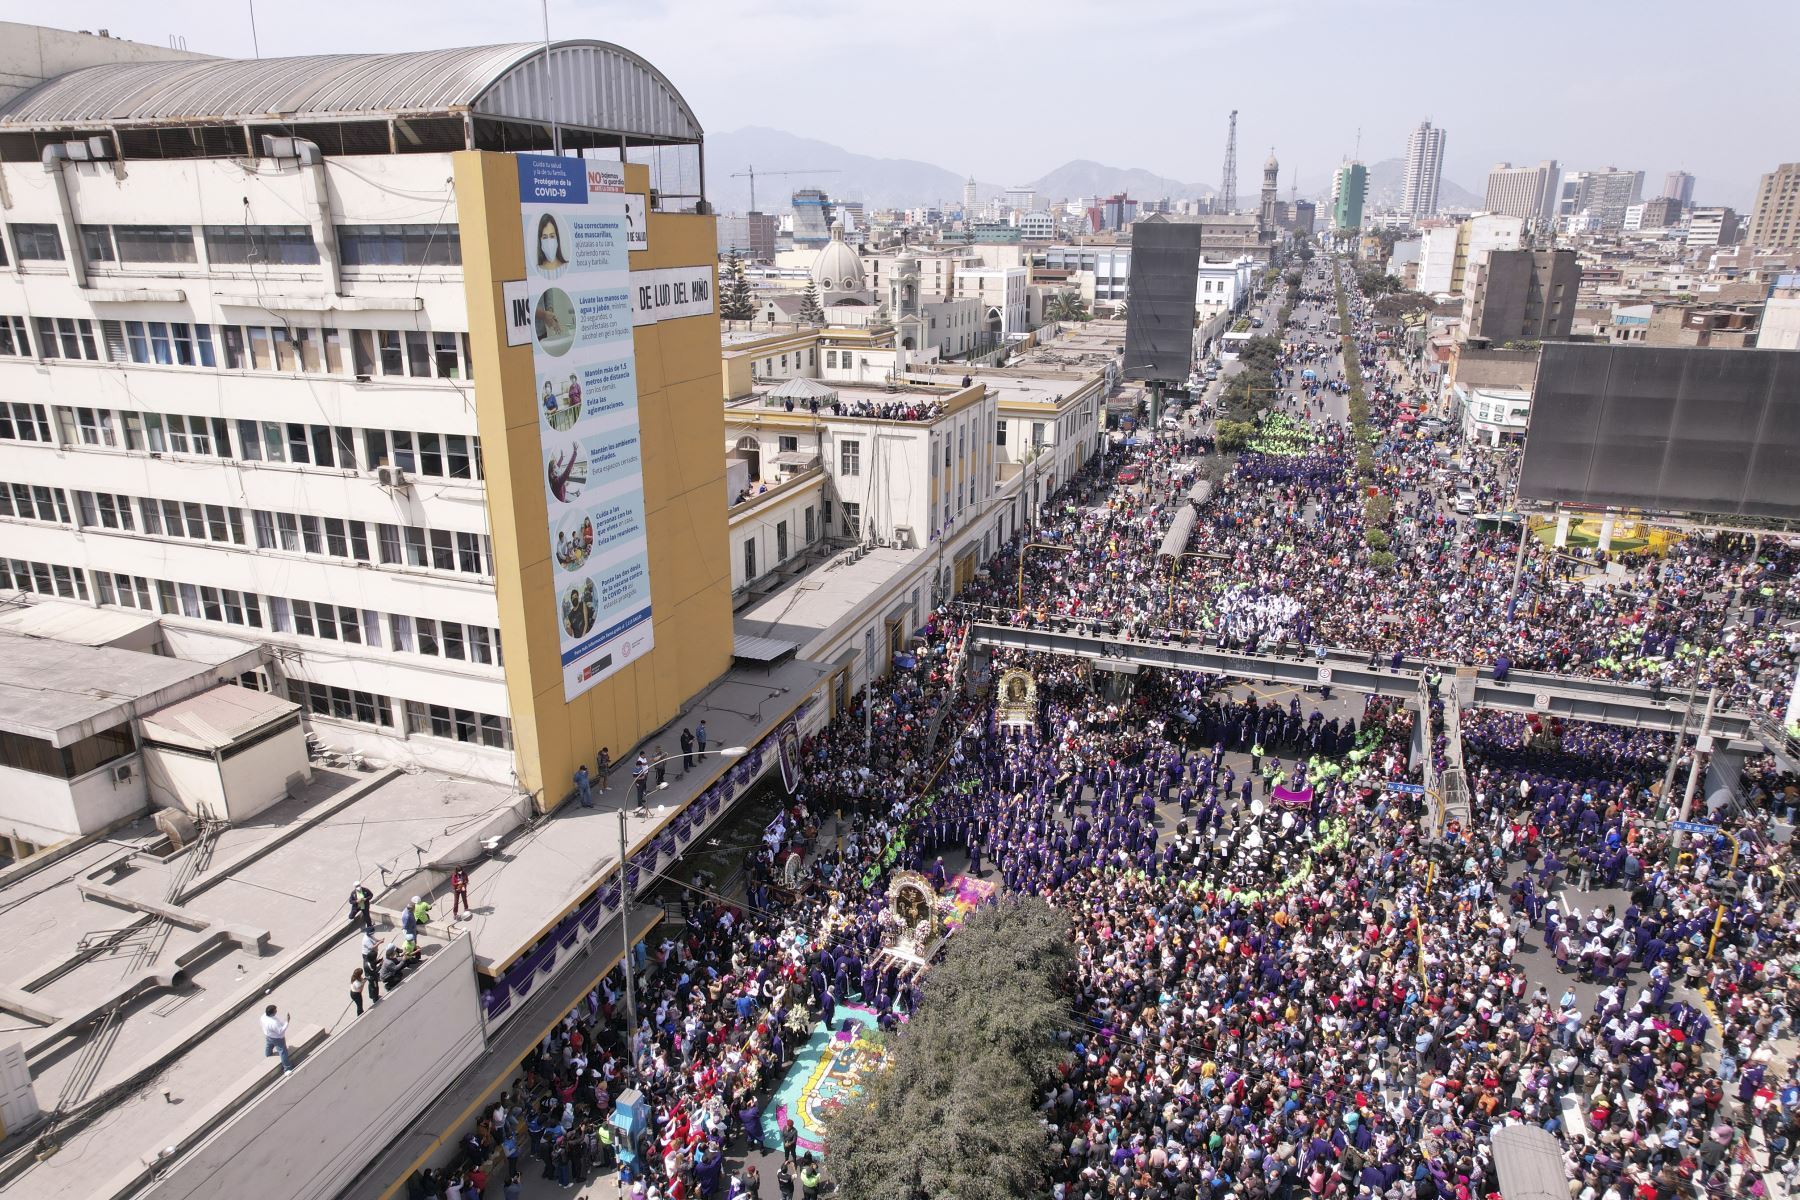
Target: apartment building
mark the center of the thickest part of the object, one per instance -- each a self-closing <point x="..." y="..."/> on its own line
<point x="255" y="376"/>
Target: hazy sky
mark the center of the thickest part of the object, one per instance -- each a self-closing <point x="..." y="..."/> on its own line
<point x="1010" y="91"/>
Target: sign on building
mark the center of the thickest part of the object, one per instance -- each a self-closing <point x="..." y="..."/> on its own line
<point x="579" y="286"/>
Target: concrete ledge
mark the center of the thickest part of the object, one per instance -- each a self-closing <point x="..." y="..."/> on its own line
<point x="32" y="1008"/>
<point x="241" y="935"/>
<point x="223" y="1106"/>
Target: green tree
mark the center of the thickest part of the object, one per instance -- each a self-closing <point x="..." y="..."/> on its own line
<point x="736" y="304"/>
<point x="811" y="311"/>
<point x="1233" y="435"/>
<point x="953" y="1117"/>
<point x="1067" y="306"/>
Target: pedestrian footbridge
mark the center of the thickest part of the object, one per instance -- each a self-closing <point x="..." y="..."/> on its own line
<point x="1571" y="697"/>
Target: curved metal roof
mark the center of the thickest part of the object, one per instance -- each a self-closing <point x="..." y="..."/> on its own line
<point x="594" y="85"/>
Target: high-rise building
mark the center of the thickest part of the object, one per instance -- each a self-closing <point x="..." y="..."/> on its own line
<point x="1424" y="170"/>
<point x="1304" y="214"/>
<point x="1521" y="295"/>
<point x="352" y="471"/>
<point x="1662" y="212"/>
<point x="812" y="217"/>
<point x="1602" y="195"/>
<point x="1712" y="227"/>
<point x="1679" y="187"/>
<point x="1775" y="217"/>
<point x="1023" y="199"/>
<point x="1525" y="192"/>
<point x="969" y="199"/>
<point x="1349" y="186"/>
<point x="751" y="236"/>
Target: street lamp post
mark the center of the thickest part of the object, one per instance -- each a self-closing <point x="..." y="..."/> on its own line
<point x="625" y="897"/>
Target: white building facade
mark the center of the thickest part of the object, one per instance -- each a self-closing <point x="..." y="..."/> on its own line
<point x="235" y="418"/>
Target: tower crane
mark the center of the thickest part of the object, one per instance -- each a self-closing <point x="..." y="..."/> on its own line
<point x="750" y="173"/>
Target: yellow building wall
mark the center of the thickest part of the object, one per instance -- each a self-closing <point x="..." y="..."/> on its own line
<point x="682" y="429"/>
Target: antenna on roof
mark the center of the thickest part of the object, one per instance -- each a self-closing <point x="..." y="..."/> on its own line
<point x="255" y="47"/>
<point x="555" y="129"/>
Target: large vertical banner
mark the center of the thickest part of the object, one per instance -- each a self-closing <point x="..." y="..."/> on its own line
<point x="578" y="234"/>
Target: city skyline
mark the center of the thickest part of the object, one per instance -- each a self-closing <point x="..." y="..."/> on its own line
<point x="718" y="62"/>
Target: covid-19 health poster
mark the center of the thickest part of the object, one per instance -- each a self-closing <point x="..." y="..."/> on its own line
<point x="578" y="239"/>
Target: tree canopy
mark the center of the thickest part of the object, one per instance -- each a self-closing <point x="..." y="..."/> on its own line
<point x="954" y="1115"/>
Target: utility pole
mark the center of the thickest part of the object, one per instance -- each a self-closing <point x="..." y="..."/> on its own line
<point x="626" y="938"/>
<point x="1693" y="780"/>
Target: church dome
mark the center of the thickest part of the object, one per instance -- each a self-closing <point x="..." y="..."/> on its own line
<point x="838" y="269"/>
<point x="1271" y="164"/>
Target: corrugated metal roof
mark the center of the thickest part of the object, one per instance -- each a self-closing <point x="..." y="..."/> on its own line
<point x="760" y="649"/>
<point x="591" y="84"/>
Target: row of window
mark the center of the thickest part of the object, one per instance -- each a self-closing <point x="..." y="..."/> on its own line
<point x="280" y="349"/>
<point x="450" y="456"/>
<point x="242" y="245"/>
<point x="428" y="636"/>
<point x="427" y="720"/>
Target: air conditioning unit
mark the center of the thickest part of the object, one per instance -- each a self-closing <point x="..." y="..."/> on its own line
<point x="122" y="773"/>
<point x="391" y="477"/>
<point x="903" y="537"/>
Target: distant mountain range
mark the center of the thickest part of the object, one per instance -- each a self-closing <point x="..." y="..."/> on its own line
<point x="891" y="182"/>
<point x="786" y="161"/>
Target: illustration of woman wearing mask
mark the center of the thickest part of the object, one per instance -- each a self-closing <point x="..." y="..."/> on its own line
<point x="550" y="260"/>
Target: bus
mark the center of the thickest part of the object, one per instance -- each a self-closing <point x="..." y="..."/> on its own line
<point x="1231" y="343"/>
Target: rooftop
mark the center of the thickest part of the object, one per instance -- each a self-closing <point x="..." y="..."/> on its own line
<point x="586" y="85"/>
<point x="62" y="692"/>
<point x="815" y="602"/>
<point x="261" y="912"/>
<point x="216" y="719"/>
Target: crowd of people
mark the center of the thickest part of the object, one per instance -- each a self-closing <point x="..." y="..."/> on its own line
<point x="1290" y="982"/>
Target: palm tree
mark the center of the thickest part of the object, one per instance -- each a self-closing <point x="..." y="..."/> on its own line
<point x="1067" y="306"/>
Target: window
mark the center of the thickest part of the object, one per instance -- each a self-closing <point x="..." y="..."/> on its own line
<point x="852" y="519"/>
<point x="230" y="245"/>
<point x="458" y="724"/>
<point x="154" y="243"/>
<point x="480" y="645"/>
<point x="809" y="525"/>
<point x="418" y="353"/>
<point x="97" y="244"/>
<point x="30" y="502"/>
<point x="1037" y="435"/>
<point x="37" y="243"/>
<point x="400" y="632"/>
<point x="999" y="433"/>
<point x="14" y="343"/>
<point x="749" y="559"/>
<point x="468" y="553"/>
<point x="22" y="422"/>
<point x="343" y="704"/>
<point x="850" y="457"/>
<point x="392" y="358"/>
<point x="428" y="636"/>
<point x="781" y="541"/>
<point x="788" y="443"/>
<point x="388" y="543"/>
<point x="442" y="557"/>
<point x="67" y="337"/>
<point x="400" y="245"/>
<point x="444" y="348"/>
<point x="456" y="454"/>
